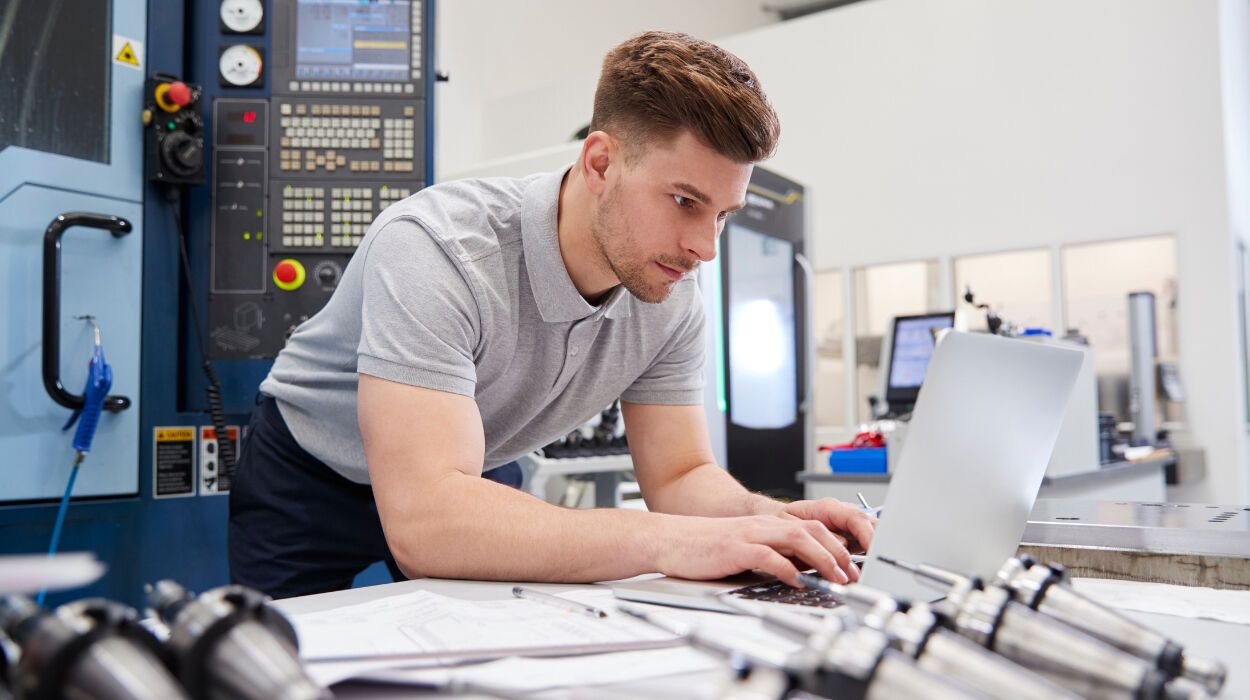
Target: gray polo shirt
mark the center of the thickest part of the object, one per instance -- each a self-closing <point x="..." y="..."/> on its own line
<point x="461" y="288"/>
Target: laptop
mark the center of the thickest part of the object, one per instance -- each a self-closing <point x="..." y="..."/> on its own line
<point x="982" y="432"/>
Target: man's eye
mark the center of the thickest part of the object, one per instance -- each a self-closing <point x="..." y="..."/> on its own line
<point x="683" y="202"/>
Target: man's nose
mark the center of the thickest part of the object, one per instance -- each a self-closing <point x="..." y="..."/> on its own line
<point x="701" y="242"/>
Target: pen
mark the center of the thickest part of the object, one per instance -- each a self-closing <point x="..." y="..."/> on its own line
<point x="547" y="598"/>
<point x="875" y="512"/>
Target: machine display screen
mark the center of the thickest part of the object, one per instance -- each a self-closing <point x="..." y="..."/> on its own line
<point x="913" y="348"/>
<point x="352" y="40"/>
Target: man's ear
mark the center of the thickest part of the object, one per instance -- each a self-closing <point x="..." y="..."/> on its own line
<point x="600" y="151"/>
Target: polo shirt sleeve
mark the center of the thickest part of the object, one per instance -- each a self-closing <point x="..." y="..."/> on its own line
<point x="419" y="321"/>
<point x="676" y="375"/>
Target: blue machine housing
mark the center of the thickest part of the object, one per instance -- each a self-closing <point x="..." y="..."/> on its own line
<point x="141" y="538"/>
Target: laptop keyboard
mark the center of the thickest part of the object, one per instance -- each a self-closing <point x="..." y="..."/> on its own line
<point x="778" y="592"/>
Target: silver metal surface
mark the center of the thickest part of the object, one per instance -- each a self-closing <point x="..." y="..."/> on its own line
<point x="91" y="649"/>
<point x="1072" y="608"/>
<point x="917" y="634"/>
<point x="1067" y="656"/>
<point x="808" y="407"/>
<point x="252" y="663"/>
<point x="1181" y="528"/>
<point x="1073" y="659"/>
<point x="1045" y="589"/>
<point x="995" y="446"/>
<point x="114" y="668"/>
<point x="760" y="684"/>
<point x="230" y="641"/>
<point x="897" y="676"/>
<point x="949" y="655"/>
<point x="857" y="652"/>
<point x="1142" y="353"/>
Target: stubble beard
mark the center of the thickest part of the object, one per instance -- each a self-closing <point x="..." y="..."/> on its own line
<point x="618" y="251"/>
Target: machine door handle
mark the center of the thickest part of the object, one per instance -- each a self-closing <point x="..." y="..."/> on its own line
<point x="52" y="303"/>
<point x="807" y="364"/>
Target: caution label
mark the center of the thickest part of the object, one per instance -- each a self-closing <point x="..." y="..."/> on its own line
<point x="173" y="462"/>
<point x="215" y="478"/>
<point x="127" y="52"/>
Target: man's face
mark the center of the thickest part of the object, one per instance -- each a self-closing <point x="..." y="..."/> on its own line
<point x="660" y="215"/>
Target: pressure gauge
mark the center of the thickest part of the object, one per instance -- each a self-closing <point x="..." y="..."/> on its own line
<point x="240" y="65"/>
<point x="242" y="16"/>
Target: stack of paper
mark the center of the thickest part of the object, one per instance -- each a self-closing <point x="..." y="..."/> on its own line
<point x="427" y="625"/>
<point x="434" y="641"/>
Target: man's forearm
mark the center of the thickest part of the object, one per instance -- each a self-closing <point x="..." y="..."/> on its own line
<point x="708" y="490"/>
<point x="463" y="526"/>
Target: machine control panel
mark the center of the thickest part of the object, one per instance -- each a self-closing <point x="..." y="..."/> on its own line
<point x="300" y="174"/>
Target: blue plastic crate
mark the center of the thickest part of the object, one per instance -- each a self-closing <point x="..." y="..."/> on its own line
<point x="861" y="460"/>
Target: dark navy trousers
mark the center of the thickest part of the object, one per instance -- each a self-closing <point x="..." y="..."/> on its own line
<point x="296" y="526"/>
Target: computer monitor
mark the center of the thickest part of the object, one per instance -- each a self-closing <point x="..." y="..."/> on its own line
<point x="911" y="347"/>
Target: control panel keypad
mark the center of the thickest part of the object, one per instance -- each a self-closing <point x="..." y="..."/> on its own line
<point x="326" y="217"/>
<point x="303" y="216"/>
<point x="316" y="138"/>
<point x="351" y="212"/>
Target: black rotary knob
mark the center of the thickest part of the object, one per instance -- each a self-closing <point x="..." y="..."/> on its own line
<point x="181" y="154"/>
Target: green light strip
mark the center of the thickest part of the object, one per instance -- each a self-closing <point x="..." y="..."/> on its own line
<point x="718" y="327"/>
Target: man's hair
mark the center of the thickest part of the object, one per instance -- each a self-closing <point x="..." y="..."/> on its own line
<point x="656" y="84"/>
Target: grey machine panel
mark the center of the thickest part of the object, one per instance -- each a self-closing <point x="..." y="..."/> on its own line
<point x="1182" y="528"/>
<point x="1192" y="544"/>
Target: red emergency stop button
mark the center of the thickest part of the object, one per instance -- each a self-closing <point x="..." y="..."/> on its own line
<point x="172" y="97"/>
<point x="179" y="93"/>
<point x="289" y="274"/>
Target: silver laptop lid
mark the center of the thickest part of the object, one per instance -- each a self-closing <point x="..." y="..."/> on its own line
<point x="980" y="437"/>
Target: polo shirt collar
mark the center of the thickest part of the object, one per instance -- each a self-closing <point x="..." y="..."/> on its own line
<point x="556" y="297"/>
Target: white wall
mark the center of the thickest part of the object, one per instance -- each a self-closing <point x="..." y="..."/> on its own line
<point x="523" y="73"/>
<point x="930" y="129"/>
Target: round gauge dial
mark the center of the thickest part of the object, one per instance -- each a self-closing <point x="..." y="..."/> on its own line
<point x="242" y="16"/>
<point x="240" y="65"/>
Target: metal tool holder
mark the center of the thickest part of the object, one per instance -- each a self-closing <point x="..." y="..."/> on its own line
<point x="999" y="641"/>
<point x="1047" y="590"/>
<point x="839" y="660"/>
<point x="916" y="630"/>
<point x="91" y="649"/>
<point x="229" y="643"/>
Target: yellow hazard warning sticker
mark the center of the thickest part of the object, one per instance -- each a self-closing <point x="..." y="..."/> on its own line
<point x="175" y="434"/>
<point x="127" y="52"/>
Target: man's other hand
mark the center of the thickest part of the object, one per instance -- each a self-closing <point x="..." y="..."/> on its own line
<point x="711" y="548"/>
<point x="842" y="518"/>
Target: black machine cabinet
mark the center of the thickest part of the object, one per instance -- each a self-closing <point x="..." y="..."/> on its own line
<point x="763" y="368"/>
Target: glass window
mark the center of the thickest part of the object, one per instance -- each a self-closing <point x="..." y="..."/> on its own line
<point x="882" y="292"/>
<point x="829" y="319"/>
<point x="1097" y="279"/>
<point x="1016" y="285"/>
<point x="54" y="77"/>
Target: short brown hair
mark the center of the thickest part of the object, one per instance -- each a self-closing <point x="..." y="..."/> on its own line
<point x="656" y="84"/>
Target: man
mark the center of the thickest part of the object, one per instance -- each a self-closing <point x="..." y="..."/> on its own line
<point x="482" y="319"/>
